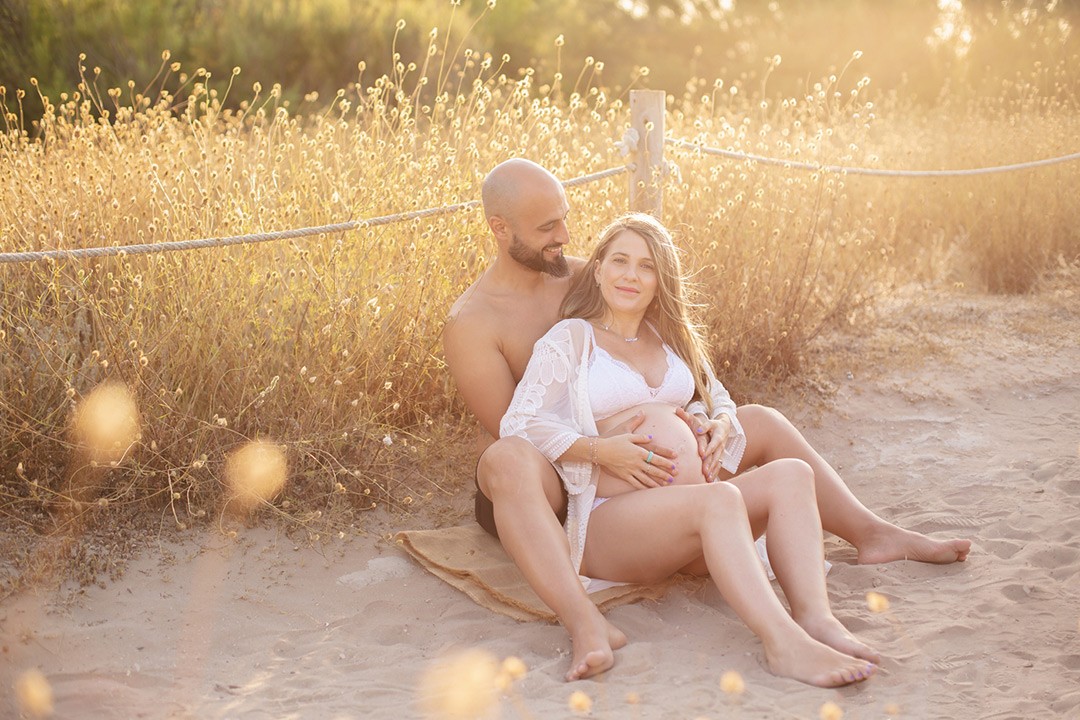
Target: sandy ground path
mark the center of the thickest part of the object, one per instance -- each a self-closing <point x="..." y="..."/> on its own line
<point x="958" y="417"/>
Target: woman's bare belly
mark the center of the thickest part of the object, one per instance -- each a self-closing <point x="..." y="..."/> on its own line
<point x="669" y="431"/>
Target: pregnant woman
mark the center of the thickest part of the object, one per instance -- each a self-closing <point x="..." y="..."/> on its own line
<point x="627" y="346"/>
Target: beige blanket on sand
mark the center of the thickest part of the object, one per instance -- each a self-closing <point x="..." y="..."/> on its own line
<point x="475" y="563"/>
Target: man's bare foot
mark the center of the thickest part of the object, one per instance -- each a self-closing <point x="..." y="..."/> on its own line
<point x="830" y="631"/>
<point x="809" y="661"/>
<point x="594" y="647"/>
<point x="893" y="543"/>
<point x="616" y="637"/>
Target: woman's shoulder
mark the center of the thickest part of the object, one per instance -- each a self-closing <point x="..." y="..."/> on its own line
<point x="574" y="325"/>
<point x="571" y="330"/>
<point x="577" y="327"/>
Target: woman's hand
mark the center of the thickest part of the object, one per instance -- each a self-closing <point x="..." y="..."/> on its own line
<point x="628" y="457"/>
<point x="712" y="437"/>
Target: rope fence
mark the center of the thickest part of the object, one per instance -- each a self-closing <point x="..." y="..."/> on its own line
<point x="179" y="245"/>
<point x="763" y="160"/>
<point x="644" y="140"/>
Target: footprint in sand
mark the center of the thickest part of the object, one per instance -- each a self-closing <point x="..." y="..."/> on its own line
<point x="1003" y="549"/>
<point x="1053" y="557"/>
<point x="1023" y="592"/>
<point x="1047" y="471"/>
<point x="957" y="522"/>
<point x="1071" y="487"/>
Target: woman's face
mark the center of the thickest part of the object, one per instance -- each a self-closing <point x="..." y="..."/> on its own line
<point x="627" y="274"/>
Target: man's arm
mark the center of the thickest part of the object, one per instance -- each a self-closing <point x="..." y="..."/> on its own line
<point x="481" y="372"/>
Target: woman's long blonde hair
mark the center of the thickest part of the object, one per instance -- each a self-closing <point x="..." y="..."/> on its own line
<point x="669" y="311"/>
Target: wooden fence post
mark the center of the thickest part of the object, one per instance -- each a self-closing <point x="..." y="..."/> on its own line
<point x="647" y="108"/>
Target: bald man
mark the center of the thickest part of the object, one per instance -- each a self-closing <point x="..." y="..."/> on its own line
<point x="488" y="341"/>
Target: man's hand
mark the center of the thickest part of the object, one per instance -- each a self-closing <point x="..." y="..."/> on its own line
<point x="712" y="437"/>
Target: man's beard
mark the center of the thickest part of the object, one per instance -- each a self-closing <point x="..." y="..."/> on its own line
<point x="534" y="260"/>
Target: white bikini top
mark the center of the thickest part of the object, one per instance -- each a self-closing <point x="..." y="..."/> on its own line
<point x="614" y="386"/>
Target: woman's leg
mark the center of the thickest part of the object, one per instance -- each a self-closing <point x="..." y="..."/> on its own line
<point x="771" y="436"/>
<point x="780" y="501"/>
<point x="648" y="535"/>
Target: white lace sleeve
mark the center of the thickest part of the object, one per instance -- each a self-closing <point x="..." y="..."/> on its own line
<point x="550" y="409"/>
<point x="542" y="409"/>
<point x="723" y="405"/>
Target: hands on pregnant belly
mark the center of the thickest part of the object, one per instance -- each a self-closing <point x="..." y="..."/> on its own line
<point x="673" y="443"/>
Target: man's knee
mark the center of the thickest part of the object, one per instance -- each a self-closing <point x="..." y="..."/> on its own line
<point x="766" y="429"/>
<point x="759" y="414"/>
<point x="508" y="461"/>
<point x="513" y="467"/>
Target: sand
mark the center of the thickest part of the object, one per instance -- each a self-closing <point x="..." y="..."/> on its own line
<point x="958" y="415"/>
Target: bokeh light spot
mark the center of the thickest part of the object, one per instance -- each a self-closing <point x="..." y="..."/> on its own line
<point x="256" y="472"/>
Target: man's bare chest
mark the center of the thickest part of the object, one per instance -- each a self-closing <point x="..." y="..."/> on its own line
<point x="518" y="332"/>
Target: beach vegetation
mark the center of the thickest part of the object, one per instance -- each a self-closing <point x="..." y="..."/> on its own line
<point x="329" y="347"/>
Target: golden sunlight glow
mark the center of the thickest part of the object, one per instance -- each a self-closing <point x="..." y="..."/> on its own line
<point x="461" y="685"/>
<point x="106" y="422"/>
<point x="579" y="702"/>
<point x="514" y="667"/>
<point x="877" y="602"/>
<point x="952" y="28"/>
<point x="512" y="670"/>
<point x="34" y="694"/>
<point x="635" y="8"/>
<point x="830" y="711"/>
<point x="256" y="473"/>
<point x="732" y="683"/>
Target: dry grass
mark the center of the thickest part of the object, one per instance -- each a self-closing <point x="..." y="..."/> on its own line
<point x="330" y="346"/>
<point x="783" y="252"/>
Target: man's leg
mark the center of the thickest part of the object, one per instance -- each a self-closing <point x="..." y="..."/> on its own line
<point x="526" y="491"/>
<point x="771" y="436"/>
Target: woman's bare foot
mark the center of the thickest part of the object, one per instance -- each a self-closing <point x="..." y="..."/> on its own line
<point x="809" y="661"/>
<point x="594" y="648"/>
<point x="830" y="631"/>
<point x="893" y="543"/>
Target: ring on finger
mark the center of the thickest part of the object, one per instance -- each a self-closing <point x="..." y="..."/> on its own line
<point x="648" y="458"/>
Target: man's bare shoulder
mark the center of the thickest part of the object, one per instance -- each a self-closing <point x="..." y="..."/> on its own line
<point x="471" y="306"/>
<point x="472" y="312"/>
<point x="576" y="264"/>
<point x="487" y="317"/>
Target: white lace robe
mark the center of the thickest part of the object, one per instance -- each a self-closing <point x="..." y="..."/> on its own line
<point x="551" y="410"/>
